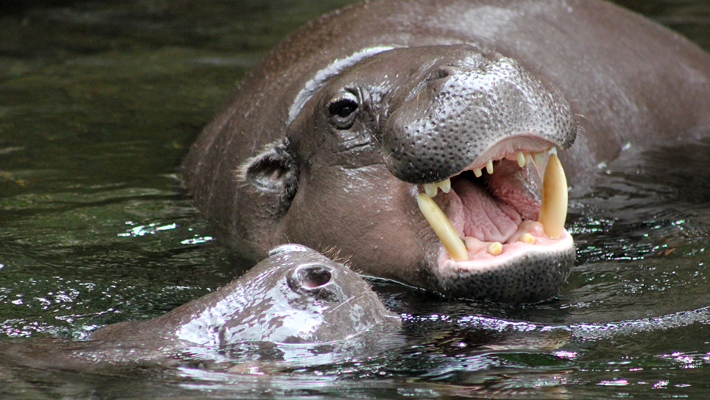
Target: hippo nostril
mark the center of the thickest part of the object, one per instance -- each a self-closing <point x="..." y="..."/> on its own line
<point x="437" y="74"/>
<point x="441" y="73"/>
<point x="314" y="277"/>
<point x="310" y="277"/>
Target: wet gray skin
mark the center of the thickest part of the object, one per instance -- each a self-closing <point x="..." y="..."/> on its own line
<point x="328" y="140"/>
<point x="296" y="301"/>
<point x="458" y="106"/>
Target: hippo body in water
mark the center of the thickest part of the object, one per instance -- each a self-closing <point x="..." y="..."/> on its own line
<point x="296" y="301"/>
<point x="343" y="135"/>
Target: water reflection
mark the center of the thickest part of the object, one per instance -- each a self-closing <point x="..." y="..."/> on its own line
<point x="98" y="102"/>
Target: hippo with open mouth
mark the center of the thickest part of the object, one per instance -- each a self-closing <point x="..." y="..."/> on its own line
<point x="297" y="301"/>
<point x="419" y="137"/>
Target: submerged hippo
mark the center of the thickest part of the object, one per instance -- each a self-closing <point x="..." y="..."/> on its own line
<point x="297" y="300"/>
<point x="344" y="135"/>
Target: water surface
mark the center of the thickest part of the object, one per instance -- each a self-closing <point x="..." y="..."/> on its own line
<point x="98" y="102"/>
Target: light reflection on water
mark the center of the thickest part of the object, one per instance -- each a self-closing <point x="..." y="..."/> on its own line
<point x="94" y="230"/>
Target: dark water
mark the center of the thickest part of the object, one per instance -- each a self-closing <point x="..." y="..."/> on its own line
<point x="98" y="101"/>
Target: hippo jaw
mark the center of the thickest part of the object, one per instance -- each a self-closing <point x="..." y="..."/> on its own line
<point x="486" y="127"/>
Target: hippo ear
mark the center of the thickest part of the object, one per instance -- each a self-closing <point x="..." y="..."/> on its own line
<point x="273" y="171"/>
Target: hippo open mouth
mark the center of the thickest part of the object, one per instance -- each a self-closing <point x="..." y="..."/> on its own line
<point x="483" y="129"/>
<point x="489" y="215"/>
<point x="507" y="211"/>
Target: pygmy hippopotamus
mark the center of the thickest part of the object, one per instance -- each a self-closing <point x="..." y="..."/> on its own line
<point x="296" y="301"/>
<point x="419" y="137"/>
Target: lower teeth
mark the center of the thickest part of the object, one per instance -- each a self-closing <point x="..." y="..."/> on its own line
<point x="495" y="248"/>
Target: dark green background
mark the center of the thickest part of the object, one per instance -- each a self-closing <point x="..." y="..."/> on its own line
<point x="98" y="102"/>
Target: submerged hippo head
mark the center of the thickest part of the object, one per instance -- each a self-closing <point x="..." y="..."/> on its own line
<point x="295" y="296"/>
<point x="369" y="135"/>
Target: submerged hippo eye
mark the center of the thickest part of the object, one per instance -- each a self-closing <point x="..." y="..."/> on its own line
<point x="343" y="110"/>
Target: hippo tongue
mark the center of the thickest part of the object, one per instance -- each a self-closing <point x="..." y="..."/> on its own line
<point x="518" y="187"/>
<point x="474" y="212"/>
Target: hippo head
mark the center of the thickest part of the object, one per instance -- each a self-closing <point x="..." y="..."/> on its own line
<point x="295" y="304"/>
<point x="298" y="296"/>
<point x="370" y="141"/>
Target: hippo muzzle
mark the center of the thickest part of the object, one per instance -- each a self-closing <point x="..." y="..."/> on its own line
<point x="472" y="111"/>
<point x="484" y="131"/>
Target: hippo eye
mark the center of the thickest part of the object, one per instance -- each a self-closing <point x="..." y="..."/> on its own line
<point x="343" y="110"/>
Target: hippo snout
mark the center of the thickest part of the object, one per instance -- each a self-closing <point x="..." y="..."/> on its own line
<point x="484" y="130"/>
<point x="462" y="110"/>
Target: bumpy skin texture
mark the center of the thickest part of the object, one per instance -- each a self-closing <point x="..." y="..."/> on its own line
<point x="279" y="165"/>
<point x="526" y="279"/>
<point x="466" y="106"/>
<point x="296" y="296"/>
